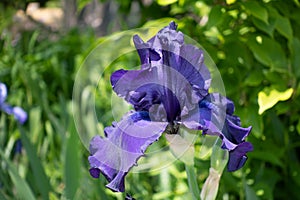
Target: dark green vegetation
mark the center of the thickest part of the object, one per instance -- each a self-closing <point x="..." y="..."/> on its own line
<point x="254" y="45"/>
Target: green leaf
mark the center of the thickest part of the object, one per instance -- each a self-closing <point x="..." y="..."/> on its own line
<point x="283" y="26"/>
<point x="2" y="196"/>
<point x="256" y="10"/>
<point x="250" y="193"/>
<point x="40" y="177"/>
<point x="267" y="101"/>
<point x="215" y="16"/>
<point x="268" y="52"/>
<point x="72" y="164"/>
<point x="255" y="78"/>
<point x="295" y="49"/>
<point x="267" y="157"/>
<point x="267" y="28"/>
<point x="165" y="2"/>
<point x="192" y="181"/>
<point x="298" y="127"/>
<point x="22" y="188"/>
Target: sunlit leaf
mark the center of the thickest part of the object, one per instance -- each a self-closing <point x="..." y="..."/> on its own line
<point x="230" y="1"/>
<point x="298" y="127"/>
<point x="166" y="2"/>
<point x="268" y="100"/>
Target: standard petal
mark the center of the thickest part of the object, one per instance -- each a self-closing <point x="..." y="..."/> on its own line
<point x="150" y="87"/>
<point x="3" y="93"/>
<point x="237" y="157"/>
<point x="146" y="53"/>
<point x="123" y="145"/>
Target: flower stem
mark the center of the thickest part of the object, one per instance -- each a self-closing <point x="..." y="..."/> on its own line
<point x="192" y="181"/>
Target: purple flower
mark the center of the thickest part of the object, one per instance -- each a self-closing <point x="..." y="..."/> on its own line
<point x="168" y="92"/>
<point x="19" y="114"/>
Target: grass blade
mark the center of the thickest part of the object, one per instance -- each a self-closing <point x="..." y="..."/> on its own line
<point x="22" y="188"/>
<point x="72" y="164"/>
<point x="40" y="177"/>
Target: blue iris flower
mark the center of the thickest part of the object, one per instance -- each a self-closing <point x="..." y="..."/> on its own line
<point x="170" y="91"/>
<point x="19" y="114"/>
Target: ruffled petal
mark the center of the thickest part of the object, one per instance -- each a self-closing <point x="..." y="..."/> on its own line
<point x="215" y="117"/>
<point x="125" y="142"/>
<point x="237" y="157"/>
<point x="219" y="118"/>
<point x="146" y="53"/>
<point x="167" y="48"/>
<point x="147" y="88"/>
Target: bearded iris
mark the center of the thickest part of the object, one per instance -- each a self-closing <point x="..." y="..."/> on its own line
<point x="169" y="92"/>
<point x="19" y="114"/>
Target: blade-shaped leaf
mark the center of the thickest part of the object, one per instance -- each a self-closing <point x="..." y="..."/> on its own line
<point x="40" y="177"/>
<point x="22" y="189"/>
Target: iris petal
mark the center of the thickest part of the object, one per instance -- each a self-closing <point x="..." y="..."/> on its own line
<point x="123" y="145"/>
<point x="3" y="93"/>
<point x="167" y="48"/>
<point x="237" y="157"/>
<point x="19" y="114"/>
<point x="215" y="117"/>
<point x="149" y="87"/>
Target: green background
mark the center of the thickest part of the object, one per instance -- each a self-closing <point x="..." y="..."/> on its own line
<point x="254" y="44"/>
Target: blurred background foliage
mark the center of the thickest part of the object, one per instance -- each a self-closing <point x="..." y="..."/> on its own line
<point x="253" y="43"/>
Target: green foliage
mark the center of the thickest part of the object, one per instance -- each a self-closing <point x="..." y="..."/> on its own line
<point x="255" y="45"/>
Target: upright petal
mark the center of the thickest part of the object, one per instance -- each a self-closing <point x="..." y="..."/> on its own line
<point x="167" y="49"/>
<point x="146" y="53"/>
<point x="125" y="142"/>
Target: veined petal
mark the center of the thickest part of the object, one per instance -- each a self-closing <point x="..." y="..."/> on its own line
<point x="124" y="144"/>
<point x="147" y="88"/>
<point x="226" y="124"/>
<point x="146" y="53"/>
<point x="167" y="49"/>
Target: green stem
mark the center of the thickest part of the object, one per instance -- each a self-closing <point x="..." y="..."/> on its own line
<point x="192" y="181"/>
